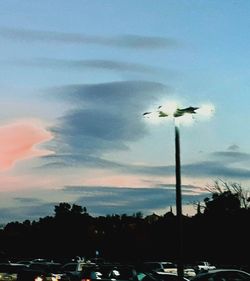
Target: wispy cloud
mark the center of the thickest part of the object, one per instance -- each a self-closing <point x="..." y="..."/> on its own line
<point x="233" y="147"/>
<point x="215" y="169"/>
<point x="101" y="201"/>
<point x="107" y="200"/>
<point x="28" y="212"/>
<point x="124" y="41"/>
<point x="27" y="200"/>
<point x="77" y="160"/>
<point x="101" y="64"/>
<point x="200" y="169"/>
<point x="232" y="156"/>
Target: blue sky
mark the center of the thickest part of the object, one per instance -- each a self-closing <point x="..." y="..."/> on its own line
<point x="75" y="79"/>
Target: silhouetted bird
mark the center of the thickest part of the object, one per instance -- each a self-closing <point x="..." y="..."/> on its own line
<point x="146" y="113"/>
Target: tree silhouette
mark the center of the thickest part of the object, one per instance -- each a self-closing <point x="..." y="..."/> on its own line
<point x="226" y="198"/>
<point x="73" y="232"/>
<point x="76" y="209"/>
<point x="62" y="209"/>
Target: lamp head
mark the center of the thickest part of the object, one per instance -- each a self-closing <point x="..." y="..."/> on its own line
<point x="172" y="110"/>
<point x="181" y="111"/>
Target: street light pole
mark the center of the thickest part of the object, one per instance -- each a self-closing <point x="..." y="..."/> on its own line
<point x="180" y="269"/>
<point x="178" y="112"/>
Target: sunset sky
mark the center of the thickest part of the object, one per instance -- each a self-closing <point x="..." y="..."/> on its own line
<point x="77" y="76"/>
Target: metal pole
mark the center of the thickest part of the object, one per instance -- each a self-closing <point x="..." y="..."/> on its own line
<point x="180" y="269"/>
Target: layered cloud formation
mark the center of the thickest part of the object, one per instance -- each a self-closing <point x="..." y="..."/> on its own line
<point x="100" y="120"/>
<point x="105" y="117"/>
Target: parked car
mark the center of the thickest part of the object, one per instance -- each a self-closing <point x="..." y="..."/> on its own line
<point x="27" y="262"/>
<point x="189" y="272"/>
<point x="107" y="272"/>
<point x="50" y="271"/>
<point x="9" y="271"/>
<point x="112" y="272"/>
<point x="223" y="275"/>
<point x="33" y="275"/>
<point x="73" y="269"/>
<point x="168" y="267"/>
<point x="203" y="266"/>
<point x="160" y="266"/>
<point x="163" y="276"/>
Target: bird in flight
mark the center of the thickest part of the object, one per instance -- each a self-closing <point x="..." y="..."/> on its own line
<point x="146" y="113"/>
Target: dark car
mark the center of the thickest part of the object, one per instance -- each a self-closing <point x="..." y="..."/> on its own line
<point x="49" y="270"/>
<point x="223" y="275"/>
<point x="125" y="272"/>
<point x="32" y="275"/>
<point x="74" y="269"/>
<point x="166" y="270"/>
<point x="160" y="266"/>
<point x="164" y="276"/>
<point x="109" y="272"/>
<point x="12" y="267"/>
<point x="9" y="271"/>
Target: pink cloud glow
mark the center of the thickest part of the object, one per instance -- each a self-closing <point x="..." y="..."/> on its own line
<point x="19" y="141"/>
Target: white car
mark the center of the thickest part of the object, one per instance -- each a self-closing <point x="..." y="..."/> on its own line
<point x="223" y="275"/>
<point x="168" y="267"/>
<point x="204" y="266"/>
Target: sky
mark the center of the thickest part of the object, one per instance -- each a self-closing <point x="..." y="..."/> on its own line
<point x="77" y="76"/>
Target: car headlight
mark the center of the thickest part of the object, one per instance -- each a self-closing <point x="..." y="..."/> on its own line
<point x="55" y="277"/>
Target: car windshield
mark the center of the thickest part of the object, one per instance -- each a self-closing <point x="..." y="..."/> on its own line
<point x="232" y="276"/>
<point x="8" y="268"/>
<point x="70" y="267"/>
<point x="169" y="265"/>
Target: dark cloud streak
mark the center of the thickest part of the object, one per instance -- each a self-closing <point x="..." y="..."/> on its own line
<point x="100" y="201"/>
<point x="108" y="200"/>
<point x="125" y="41"/>
<point x="203" y="169"/>
<point x="101" y="64"/>
<point x="232" y="156"/>
<point x="27" y="200"/>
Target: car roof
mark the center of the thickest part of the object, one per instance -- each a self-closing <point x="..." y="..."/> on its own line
<point x="215" y="271"/>
<point x="225" y="269"/>
<point x="11" y="267"/>
<point x="158" y="262"/>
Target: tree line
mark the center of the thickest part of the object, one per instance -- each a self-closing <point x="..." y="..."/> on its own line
<point x="218" y="232"/>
